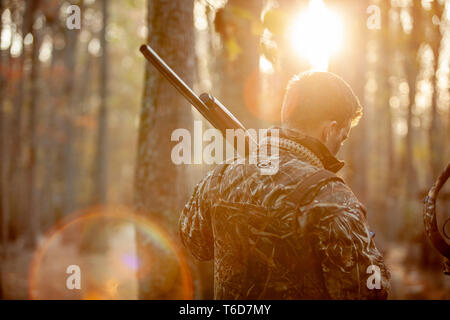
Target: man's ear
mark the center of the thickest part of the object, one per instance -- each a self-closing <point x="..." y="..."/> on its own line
<point x="328" y="129"/>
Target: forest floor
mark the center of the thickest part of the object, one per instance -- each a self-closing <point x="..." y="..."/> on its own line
<point x="44" y="276"/>
<point x="410" y="280"/>
<point x="106" y="281"/>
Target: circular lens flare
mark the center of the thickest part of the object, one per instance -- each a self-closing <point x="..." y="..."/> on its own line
<point x="115" y="252"/>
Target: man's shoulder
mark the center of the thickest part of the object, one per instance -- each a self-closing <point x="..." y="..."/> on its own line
<point x="338" y="198"/>
<point x="289" y="173"/>
<point x="301" y="176"/>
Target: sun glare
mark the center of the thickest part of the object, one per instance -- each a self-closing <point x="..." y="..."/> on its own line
<point x="316" y="34"/>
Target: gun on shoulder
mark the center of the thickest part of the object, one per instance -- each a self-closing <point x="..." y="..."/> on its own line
<point x="208" y="106"/>
<point x="217" y="115"/>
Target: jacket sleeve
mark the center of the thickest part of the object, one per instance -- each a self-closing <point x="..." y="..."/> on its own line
<point x="195" y="223"/>
<point x="352" y="266"/>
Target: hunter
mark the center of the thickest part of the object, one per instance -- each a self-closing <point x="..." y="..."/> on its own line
<point x="300" y="233"/>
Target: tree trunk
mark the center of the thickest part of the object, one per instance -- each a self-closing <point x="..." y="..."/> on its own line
<point x="17" y="192"/>
<point x="383" y="195"/>
<point x="360" y="145"/>
<point x="69" y="93"/>
<point x="160" y="190"/>
<point x="33" y="212"/>
<point x="239" y="80"/>
<point x="433" y="132"/>
<point x="412" y="69"/>
<point x="357" y="147"/>
<point x="3" y="217"/>
<point x="51" y="138"/>
<point x="384" y="63"/>
<point x="435" y="145"/>
<point x="98" y="242"/>
<point x="102" y="142"/>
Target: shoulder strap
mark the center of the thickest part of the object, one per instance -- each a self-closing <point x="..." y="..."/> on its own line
<point x="317" y="178"/>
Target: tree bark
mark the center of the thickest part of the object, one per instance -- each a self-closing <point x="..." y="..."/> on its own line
<point x="102" y="141"/>
<point x="384" y="195"/>
<point x="51" y="145"/>
<point x="33" y="212"/>
<point x="3" y="217"/>
<point x="160" y="190"/>
<point x="239" y="80"/>
<point x="357" y="147"/>
<point x="16" y="193"/>
<point x="412" y="69"/>
<point x="70" y="113"/>
<point x="385" y="63"/>
<point x="435" y="145"/>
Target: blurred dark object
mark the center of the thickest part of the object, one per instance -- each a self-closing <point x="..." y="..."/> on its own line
<point x="430" y="221"/>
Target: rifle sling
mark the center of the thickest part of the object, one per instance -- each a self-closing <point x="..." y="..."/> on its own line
<point x="317" y="178"/>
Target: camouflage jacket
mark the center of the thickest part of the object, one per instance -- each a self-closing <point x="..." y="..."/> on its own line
<point x="268" y="246"/>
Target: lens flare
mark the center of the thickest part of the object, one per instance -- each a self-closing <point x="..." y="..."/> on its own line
<point x="102" y="242"/>
<point x="316" y="34"/>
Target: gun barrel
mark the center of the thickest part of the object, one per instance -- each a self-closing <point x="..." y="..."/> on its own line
<point x="174" y="79"/>
<point x="209" y="107"/>
<point x="221" y="117"/>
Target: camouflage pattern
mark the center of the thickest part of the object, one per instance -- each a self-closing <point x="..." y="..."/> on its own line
<point x="266" y="246"/>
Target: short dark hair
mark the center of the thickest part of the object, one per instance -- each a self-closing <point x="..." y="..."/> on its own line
<point x="312" y="97"/>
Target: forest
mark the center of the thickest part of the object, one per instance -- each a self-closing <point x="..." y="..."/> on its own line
<point x="86" y="177"/>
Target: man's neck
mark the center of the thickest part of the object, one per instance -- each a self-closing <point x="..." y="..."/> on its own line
<point x="310" y="133"/>
<point x="315" y="145"/>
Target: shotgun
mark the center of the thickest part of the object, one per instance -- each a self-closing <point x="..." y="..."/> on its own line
<point x="218" y="116"/>
<point x="208" y="106"/>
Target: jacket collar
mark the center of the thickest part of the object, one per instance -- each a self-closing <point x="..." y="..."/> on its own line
<point x="329" y="161"/>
